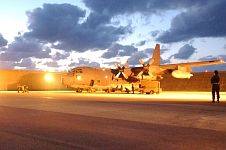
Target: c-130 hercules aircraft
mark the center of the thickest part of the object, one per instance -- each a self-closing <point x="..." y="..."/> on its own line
<point x="125" y="78"/>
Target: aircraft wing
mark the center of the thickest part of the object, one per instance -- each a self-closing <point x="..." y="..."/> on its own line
<point x="193" y="64"/>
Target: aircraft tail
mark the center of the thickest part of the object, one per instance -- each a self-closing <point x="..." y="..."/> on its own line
<point x="155" y="60"/>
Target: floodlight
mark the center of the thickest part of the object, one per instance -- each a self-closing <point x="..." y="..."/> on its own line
<point x="48" y="77"/>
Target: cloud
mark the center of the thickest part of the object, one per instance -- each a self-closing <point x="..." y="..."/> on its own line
<point x="149" y="51"/>
<point x="84" y="62"/>
<point x="154" y="33"/>
<point x="164" y="61"/>
<point x="117" y="50"/>
<point x="135" y="57"/>
<point x="185" y="52"/>
<point x="27" y="63"/>
<point x="203" y="21"/>
<point x="52" y="64"/>
<point x="59" y="56"/>
<point x="60" y="24"/>
<point x="224" y="46"/>
<point x="141" y="43"/>
<point x="3" y="42"/>
<point x="6" y="65"/>
<point x="144" y="54"/>
<point x="65" y="26"/>
<point x="116" y="7"/>
<point x="94" y="20"/>
<point x="105" y="10"/>
<point x="210" y="57"/>
<point x="24" y="48"/>
<point x="53" y="20"/>
<point x="221" y="67"/>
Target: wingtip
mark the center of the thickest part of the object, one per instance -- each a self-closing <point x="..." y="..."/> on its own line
<point x="222" y="61"/>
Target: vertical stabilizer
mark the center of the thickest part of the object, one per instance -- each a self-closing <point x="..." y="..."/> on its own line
<point x="155" y="60"/>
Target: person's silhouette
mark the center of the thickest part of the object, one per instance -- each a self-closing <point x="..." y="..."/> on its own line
<point x="215" y="81"/>
<point x="133" y="88"/>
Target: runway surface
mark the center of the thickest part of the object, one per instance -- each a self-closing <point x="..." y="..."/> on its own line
<point x="66" y="120"/>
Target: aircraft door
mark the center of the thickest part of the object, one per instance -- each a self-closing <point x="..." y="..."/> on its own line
<point x="91" y="82"/>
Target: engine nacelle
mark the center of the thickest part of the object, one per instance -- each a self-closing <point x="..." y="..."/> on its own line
<point x="181" y="74"/>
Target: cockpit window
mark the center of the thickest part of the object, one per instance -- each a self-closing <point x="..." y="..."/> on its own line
<point x="78" y="70"/>
<point x="74" y="70"/>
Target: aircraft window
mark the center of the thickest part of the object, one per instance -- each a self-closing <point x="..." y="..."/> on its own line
<point x="91" y="83"/>
<point x="73" y="71"/>
<point x="78" y="70"/>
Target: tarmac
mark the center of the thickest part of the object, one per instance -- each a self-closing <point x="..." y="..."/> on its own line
<point x="68" y="120"/>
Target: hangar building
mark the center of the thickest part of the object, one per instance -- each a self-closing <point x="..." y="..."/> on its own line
<point x="35" y="80"/>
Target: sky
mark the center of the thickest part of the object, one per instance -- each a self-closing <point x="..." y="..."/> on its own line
<point x="56" y="35"/>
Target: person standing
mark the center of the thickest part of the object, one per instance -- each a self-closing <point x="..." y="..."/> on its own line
<point x="215" y="81"/>
<point x="133" y="88"/>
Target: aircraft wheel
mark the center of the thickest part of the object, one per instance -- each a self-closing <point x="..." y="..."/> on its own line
<point x="89" y="90"/>
<point x="147" y="92"/>
<point x="152" y="92"/>
<point x="79" y="90"/>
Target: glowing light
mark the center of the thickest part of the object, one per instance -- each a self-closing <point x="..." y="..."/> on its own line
<point x="49" y="77"/>
<point x="181" y="74"/>
<point x="79" y="78"/>
<point x="106" y="77"/>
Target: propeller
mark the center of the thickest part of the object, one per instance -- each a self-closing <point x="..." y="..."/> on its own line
<point x="145" y="68"/>
<point x="120" y="70"/>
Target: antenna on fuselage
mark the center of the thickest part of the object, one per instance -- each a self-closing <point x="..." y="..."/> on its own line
<point x="120" y="70"/>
